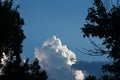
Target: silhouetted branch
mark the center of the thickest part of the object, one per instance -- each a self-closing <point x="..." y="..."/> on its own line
<point x="97" y="51"/>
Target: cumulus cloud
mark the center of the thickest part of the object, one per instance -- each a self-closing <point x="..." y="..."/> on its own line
<point x="57" y="60"/>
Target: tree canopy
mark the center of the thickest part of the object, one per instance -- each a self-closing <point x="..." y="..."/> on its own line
<point x="11" y="33"/>
<point x="11" y="38"/>
<point x="103" y="22"/>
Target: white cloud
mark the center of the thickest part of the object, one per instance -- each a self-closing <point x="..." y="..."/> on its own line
<point x="78" y="75"/>
<point x="57" y="60"/>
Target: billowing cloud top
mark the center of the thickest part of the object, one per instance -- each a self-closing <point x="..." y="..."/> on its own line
<point x="57" y="60"/>
<point x="62" y="50"/>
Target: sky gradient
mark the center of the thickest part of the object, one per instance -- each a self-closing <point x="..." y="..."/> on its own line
<point x="62" y="18"/>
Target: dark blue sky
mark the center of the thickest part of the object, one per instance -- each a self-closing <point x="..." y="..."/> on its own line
<point x="62" y="18"/>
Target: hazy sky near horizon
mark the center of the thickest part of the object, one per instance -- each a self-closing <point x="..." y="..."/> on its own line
<point x="62" y="18"/>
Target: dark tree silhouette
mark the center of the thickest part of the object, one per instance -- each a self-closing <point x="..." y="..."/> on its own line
<point x="11" y="34"/>
<point x="23" y="71"/>
<point x="103" y="22"/>
<point x="91" y="78"/>
<point x="11" y="38"/>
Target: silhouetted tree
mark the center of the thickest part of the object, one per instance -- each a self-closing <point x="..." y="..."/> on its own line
<point x="104" y="22"/>
<point x="11" y="38"/>
<point x="11" y="34"/>
<point x="23" y="71"/>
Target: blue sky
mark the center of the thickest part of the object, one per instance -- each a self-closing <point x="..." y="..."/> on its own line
<point x="63" y="18"/>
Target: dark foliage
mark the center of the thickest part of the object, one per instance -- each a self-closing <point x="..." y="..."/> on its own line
<point x="11" y="34"/>
<point x="11" y="38"/>
<point x="104" y="24"/>
<point x="91" y="78"/>
<point x="15" y="69"/>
